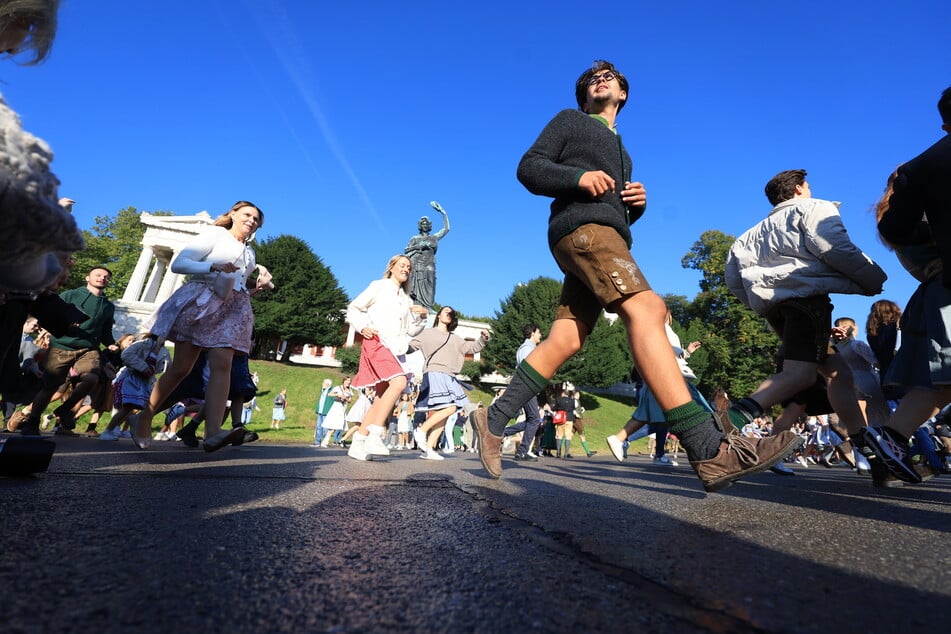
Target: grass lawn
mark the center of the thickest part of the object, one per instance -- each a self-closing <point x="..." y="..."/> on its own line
<point x="603" y="414"/>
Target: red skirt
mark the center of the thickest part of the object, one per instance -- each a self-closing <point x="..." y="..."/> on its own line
<point x="377" y="364"/>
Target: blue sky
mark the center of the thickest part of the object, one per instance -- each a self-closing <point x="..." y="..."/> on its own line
<point x="343" y="120"/>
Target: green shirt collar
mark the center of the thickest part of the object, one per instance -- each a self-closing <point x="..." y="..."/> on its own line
<point x="604" y="121"/>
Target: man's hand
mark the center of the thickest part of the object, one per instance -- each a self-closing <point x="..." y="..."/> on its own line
<point x="634" y="194"/>
<point x="596" y="184"/>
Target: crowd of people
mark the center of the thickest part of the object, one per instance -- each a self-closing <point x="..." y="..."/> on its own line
<point x="866" y="404"/>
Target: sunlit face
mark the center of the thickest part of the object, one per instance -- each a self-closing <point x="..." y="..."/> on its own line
<point x="244" y="221"/>
<point x="425" y="225"/>
<point x="400" y="271"/>
<point x="604" y="88"/>
<point x="98" y="278"/>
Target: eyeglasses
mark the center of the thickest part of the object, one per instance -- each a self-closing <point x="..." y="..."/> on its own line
<point x="606" y="76"/>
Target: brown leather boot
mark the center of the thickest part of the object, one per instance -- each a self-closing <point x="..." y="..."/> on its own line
<point x="740" y="456"/>
<point x="490" y="445"/>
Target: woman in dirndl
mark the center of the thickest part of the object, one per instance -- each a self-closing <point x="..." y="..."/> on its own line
<point x="386" y="318"/>
<point x="212" y="312"/>
<point x="441" y="394"/>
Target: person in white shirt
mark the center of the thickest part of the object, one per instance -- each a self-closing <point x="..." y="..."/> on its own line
<point x="386" y="318"/>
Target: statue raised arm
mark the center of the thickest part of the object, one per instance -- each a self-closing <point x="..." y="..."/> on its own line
<point x="421" y="251"/>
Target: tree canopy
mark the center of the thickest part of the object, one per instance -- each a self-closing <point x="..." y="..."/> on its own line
<point x="307" y="304"/>
<point x="114" y="242"/>
<point x="739" y="349"/>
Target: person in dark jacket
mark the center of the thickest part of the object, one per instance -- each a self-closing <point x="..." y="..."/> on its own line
<point x="78" y="349"/>
<point x="580" y="162"/>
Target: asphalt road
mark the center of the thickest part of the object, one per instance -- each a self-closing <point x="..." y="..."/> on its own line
<point x="267" y="538"/>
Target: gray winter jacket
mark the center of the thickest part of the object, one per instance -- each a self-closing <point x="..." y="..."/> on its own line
<point x="800" y="250"/>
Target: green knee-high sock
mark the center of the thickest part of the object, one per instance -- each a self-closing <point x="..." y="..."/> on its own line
<point x="584" y="445"/>
<point x="696" y="429"/>
<point x="561" y="447"/>
<point x="526" y="383"/>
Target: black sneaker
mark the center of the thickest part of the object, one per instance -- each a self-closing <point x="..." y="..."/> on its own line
<point x="892" y="449"/>
<point x="65" y="416"/>
<point x="249" y="436"/>
<point x="524" y="457"/>
<point x="188" y="437"/>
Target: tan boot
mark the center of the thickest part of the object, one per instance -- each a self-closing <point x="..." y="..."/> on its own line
<point x="490" y="445"/>
<point x="740" y="456"/>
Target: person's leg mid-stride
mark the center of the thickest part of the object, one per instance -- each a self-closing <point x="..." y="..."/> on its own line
<point x="609" y="277"/>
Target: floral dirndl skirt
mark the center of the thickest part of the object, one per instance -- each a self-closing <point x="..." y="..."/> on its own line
<point x="378" y="364"/>
<point x="440" y="390"/>
<point x="195" y="314"/>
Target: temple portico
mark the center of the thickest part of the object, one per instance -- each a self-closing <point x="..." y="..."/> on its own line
<point x="152" y="280"/>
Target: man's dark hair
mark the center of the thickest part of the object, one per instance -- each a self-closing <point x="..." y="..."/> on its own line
<point x="944" y="106"/>
<point x="782" y="187"/>
<point x="528" y="329"/>
<point x="99" y="268"/>
<point x="581" y="86"/>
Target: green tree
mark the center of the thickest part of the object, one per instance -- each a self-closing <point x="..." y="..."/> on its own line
<point x="307" y="305"/>
<point x="532" y="302"/>
<point x="604" y="359"/>
<point x="738" y="349"/>
<point x="114" y="242"/>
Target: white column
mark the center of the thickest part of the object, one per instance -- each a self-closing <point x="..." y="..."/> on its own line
<point x="170" y="283"/>
<point x="134" y="290"/>
<point x="155" y="278"/>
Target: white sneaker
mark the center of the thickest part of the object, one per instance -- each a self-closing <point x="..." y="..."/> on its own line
<point x="374" y="443"/>
<point x="531" y="454"/>
<point x="356" y="450"/>
<point x="507" y="445"/>
<point x="109" y="434"/>
<point x="160" y="436"/>
<point x="47" y="419"/>
<point x="617" y="448"/>
<point x="420" y="437"/>
<point x="802" y="461"/>
<point x="172" y="437"/>
<point x="448" y="451"/>
<point x="432" y="455"/>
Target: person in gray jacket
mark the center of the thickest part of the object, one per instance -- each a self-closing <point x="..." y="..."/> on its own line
<point x="784" y="268"/>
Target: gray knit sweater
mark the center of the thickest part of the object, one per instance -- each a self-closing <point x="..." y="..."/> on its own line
<point x="573" y="143"/>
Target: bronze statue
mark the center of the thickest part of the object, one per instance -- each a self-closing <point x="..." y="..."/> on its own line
<point x="421" y="251"/>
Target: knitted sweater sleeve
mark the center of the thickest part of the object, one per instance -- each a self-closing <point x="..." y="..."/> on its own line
<point x="540" y="170"/>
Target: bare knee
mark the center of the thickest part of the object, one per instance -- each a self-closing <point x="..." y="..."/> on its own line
<point x="642" y="308"/>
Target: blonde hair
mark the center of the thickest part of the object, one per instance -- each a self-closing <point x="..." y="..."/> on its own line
<point x="40" y="16"/>
<point x="389" y="270"/>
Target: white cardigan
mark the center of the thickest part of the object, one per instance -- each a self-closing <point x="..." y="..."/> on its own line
<point x="385" y="307"/>
<point x="215" y="245"/>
